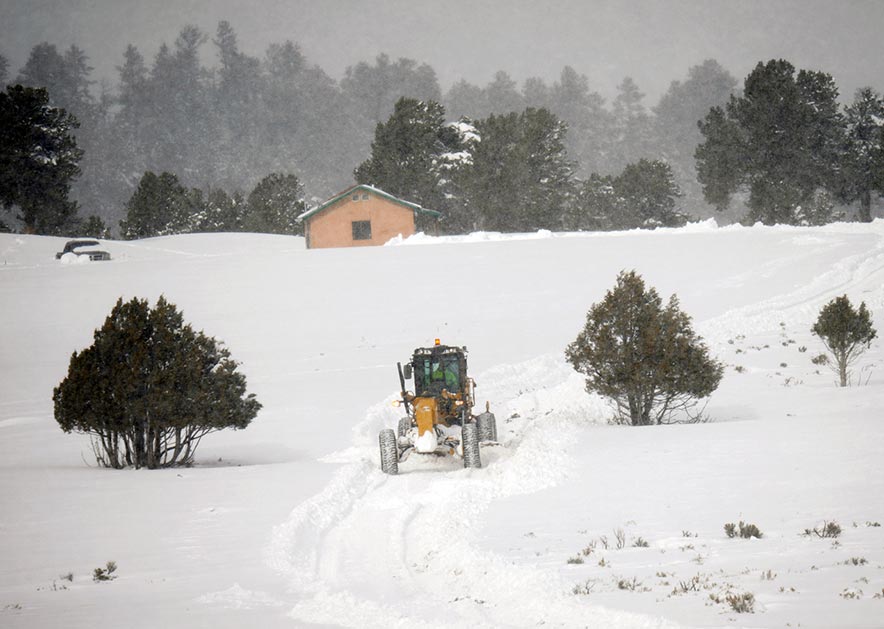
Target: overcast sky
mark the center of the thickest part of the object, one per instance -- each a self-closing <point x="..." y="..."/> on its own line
<point x="654" y="42"/>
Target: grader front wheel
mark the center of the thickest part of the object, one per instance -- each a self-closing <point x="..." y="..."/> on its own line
<point x="470" y="444"/>
<point x="487" y="426"/>
<point x="389" y="451"/>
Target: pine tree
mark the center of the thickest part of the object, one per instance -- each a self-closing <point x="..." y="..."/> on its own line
<point x="780" y="141"/>
<point x="588" y="141"/>
<point x="406" y="153"/>
<point x="846" y="332"/>
<point x="643" y="356"/>
<point x="863" y="173"/>
<point x="160" y="206"/>
<point x="150" y="388"/>
<point x="644" y="195"/>
<point x="94" y="227"/>
<point x="631" y="129"/>
<point x="220" y="213"/>
<point x="373" y="90"/>
<point x="502" y="95"/>
<point x="675" y="123"/>
<point x="521" y="178"/>
<point x="464" y="99"/>
<point x="39" y="159"/>
<point x="275" y="205"/>
<point x="648" y="192"/>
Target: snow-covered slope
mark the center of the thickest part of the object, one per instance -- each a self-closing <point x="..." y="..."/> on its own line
<point x="290" y="522"/>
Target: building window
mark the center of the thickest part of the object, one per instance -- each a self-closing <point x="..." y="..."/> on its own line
<point x="356" y="197"/>
<point x="365" y="196"/>
<point x="361" y="230"/>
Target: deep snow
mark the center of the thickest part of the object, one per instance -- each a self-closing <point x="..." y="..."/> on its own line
<point x="290" y="522"/>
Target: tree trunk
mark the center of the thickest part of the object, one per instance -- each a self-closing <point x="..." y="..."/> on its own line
<point x="865" y="209"/>
<point x="842" y="370"/>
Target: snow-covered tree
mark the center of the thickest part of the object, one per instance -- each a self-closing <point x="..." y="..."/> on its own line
<point x="220" y="212"/>
<point x="410" y="153"/>
<point x="643" y="356"/>
<point x="39" y="158"/>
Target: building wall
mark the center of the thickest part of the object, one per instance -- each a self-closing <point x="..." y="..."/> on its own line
<point x="333" y="227"/>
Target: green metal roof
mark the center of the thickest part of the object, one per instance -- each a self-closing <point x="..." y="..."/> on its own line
<point x="411" y="206"/>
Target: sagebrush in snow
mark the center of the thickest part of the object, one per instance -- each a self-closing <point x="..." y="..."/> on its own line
<point x="643" y="356"/>
<point x="743" y="529"/>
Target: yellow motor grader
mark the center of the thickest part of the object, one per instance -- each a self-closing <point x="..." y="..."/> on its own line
<point x="441" y="403"/>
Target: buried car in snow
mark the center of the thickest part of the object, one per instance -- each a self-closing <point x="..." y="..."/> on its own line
<point x="83" y="248"/>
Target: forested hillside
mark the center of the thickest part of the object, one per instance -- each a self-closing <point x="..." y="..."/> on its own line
<point x="217" y="130"/>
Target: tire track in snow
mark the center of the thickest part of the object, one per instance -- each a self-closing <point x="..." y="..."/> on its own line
<point x="861" y="271"/>
<point x="378" y="551"/>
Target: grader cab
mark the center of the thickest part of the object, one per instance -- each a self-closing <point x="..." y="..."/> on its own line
<point x="439" y="415"/>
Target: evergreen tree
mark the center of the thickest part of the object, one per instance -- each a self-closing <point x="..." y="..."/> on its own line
<point x="648" y="192"/>
<point x="305" y="124"/>
<point x="596" y="205"/>
<point x="150" y="388"/>
<point x="4" y="70"/>
<point x="676" y="119"/>
<point x="644" y="195"/>
<point x="589" y="124"/>
<point x="373" y="90"/>
<point x="643" y="356"/>
<point x="631" y="129"/>
<point x="275" y="205"/>
<point x="39" y="158"/>
<point x="407" y="150"/>
<point x="536" y="93"/>
<point x="94" y="227"/>
<point x="780" y="141"/>
<point x="846" y="332"/>
<point x="159" y="206"/>
<point x="220" y="213"/>
<point x="863" y="171"/>
<point x="521" y="178"/>
<point x="179" y="126"/>
<point x="239" y="107"/>
<point x="502" y="95"/>
<point x="464" y="99"/>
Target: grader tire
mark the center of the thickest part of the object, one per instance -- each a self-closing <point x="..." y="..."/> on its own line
<point x="487" y="426"/>
<point x="404" y="426"/>
<point x="470" y="443"/>
<point x="389" y="451"/>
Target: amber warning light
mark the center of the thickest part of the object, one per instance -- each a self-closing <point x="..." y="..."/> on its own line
<point x="438" y="342"/>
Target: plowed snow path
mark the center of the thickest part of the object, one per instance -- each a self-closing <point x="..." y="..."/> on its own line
<point x="377" y="551"/>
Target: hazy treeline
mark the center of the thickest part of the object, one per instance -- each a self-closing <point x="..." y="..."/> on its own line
<point x="229" y="125"/>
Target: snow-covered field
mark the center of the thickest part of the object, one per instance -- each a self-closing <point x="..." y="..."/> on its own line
<point x="290" y="523"/>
